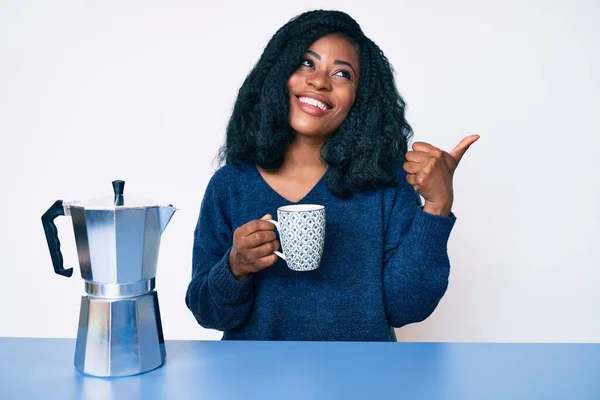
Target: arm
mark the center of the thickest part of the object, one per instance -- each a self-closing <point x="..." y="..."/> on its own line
<point x="416" y="264"/>
<point x="216" y="299"/>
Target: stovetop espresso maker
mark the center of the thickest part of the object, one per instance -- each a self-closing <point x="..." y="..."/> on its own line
<point x="117" y="239"/>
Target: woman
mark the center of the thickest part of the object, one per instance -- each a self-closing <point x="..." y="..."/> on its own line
<point x="319" y="120"/>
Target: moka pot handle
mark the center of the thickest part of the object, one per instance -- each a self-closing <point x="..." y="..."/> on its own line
<point x="52" y="237"/>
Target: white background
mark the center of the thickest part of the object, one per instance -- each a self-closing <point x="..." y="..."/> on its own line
<point x="142" y="92"/>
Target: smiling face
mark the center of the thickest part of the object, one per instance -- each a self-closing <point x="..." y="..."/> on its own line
<point x="323" y="88"/>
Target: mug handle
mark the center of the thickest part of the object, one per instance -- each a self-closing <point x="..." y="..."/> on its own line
<point x="279" y="253"/>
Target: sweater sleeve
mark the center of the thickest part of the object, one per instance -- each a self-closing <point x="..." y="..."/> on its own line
<point x="416" y="263"/>
<point x="216" y="299"/>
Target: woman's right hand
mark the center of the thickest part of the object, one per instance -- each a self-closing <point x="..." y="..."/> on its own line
<point x="253" y="247"/>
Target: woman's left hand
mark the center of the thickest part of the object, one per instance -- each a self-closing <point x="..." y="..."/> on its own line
<point x="430" y="171"/>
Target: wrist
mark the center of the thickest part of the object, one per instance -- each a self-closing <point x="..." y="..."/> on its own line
<point x="443" y="210"/>
<point x="237" y="272"/>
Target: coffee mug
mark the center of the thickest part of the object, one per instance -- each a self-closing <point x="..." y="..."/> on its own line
<point x="301" y="230"/>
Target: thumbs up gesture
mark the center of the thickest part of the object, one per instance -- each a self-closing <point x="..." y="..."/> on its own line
<point x="430" y="171"/>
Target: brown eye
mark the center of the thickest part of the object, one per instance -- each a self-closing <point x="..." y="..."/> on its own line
<point x="307" y="63"/>
<point x="344" y="73"/>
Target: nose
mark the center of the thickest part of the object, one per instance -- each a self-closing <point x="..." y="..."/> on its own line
<point x="319" y="80"/>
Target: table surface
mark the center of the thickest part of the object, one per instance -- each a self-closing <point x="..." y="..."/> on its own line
<point x="32" y="368"/>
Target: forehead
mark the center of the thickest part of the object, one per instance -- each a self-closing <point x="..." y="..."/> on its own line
<point x="336" y="46"/>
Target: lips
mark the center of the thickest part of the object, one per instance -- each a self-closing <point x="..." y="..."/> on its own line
<point x="313" y="104"/>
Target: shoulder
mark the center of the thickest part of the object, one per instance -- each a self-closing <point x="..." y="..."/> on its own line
<point x="224" y="180"/>
<point x="402" y="186"/>
<point x="231" y="172"/>
<point x="223" y="187"/>
<point x="395" y="191"/>
<point x="229" y="176"/>
<point x="402" y="193"/>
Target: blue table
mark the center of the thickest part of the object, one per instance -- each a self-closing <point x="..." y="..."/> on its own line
<point x="43" y="369"/>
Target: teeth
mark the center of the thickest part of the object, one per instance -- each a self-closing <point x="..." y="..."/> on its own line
<point x="313" y="102"/>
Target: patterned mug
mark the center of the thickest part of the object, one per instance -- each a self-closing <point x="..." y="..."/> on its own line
<point x="301" y="230"/>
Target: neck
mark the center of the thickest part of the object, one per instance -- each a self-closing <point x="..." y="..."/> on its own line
<point x="305" y="152"/>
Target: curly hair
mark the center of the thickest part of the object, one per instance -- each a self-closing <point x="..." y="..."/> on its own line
<point x="372" y="141"/>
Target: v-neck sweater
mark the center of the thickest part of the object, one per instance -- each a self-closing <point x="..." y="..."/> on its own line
<point x="385" y="264"/>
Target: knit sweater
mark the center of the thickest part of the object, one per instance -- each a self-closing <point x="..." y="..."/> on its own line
<point x="385" y="263"/>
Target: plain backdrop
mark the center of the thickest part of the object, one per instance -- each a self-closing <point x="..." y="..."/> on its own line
<point x="142" y="91"/>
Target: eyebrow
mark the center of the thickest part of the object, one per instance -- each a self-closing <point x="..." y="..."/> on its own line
<point x="336" y="62"/>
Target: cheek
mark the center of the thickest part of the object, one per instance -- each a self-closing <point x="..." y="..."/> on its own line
<point x="346" y="102"/>
<point x="292" y="82"/>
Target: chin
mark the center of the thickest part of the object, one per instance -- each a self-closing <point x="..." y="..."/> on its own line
<point x="308" y="128"/>
<point x="307" y="131"/>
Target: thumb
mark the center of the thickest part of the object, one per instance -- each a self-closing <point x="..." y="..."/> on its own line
<point x="461" y="148"/>
<point x="266" y="217"/>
